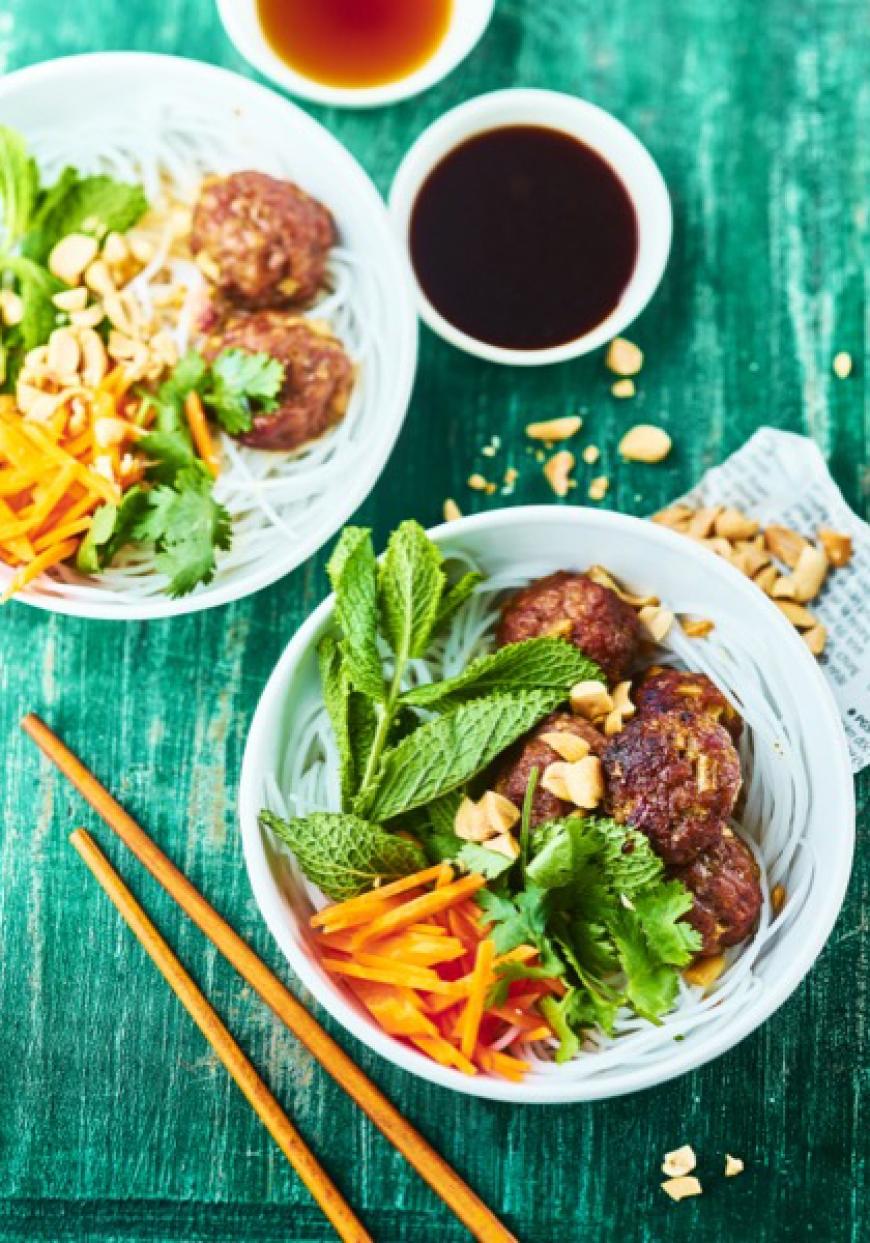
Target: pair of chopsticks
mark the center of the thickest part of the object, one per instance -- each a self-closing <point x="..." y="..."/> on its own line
<point x="431" y="1166"/>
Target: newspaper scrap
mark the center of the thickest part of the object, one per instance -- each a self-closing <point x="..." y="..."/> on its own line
<point x="782" y="479"/>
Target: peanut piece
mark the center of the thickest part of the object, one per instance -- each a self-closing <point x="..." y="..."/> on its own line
<point x="557" y="471"/>
<point x="734" y="525"/>
<point x="70" y="257"/>
<point x="623" y="357"/>
<point x="567" y="746"/>
<point x="837" y="546"/>
<point x="785" y="544"/>
<point x="555" y="429"/>
<point x="645" y="443"/>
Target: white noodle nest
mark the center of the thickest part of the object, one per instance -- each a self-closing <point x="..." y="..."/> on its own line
<point x="275" y="499"/>
<point x="775" y="809"/>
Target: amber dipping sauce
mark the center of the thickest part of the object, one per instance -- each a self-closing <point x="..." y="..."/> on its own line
<point x="523" y="237"/>
<point x="355" y="42"/>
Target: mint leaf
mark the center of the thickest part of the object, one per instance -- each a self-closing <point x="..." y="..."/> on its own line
<point x="37" y="287"/>
<point x="240" y="380"/>
<point x="19" y="186"/>
<point x="336" y="696"/>
<point x="410" y="584"/>
<point x="529" y="665"/>
<point x="454" y="597"/>
<point x="344" y="855"/>
<point x="352" y="570"/>
<point x="442" y="754"/>
<point x="442" y="811"/>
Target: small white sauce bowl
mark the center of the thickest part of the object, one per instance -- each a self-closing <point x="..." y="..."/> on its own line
<point x="597" y="129"/>
<point x="468" y="20"/>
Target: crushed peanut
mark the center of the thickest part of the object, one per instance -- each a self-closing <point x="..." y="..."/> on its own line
<point x="604" y="578"/>
<point x="477" y="482"/>
<point x="777" y="898"/>
<point x="645" y="443"/>
<point x="555" y="429"/>
<point x="591" y="454"/>
<point x="504" y="844"/>
<point x="656" y="621"/>
<point x="734" y="525"/>
<point x="785" y="544"/>
<point x="837" y="546"/>
<point x="491" y="816"/>
<point x="598" y="488"/>
<point x="733" y="1165"/>
<point x="623" y="388"/>
<point x="799" y="616"/>
<point x="622" y="709"/>
<point x="680" y="1161"/>
<point x="557" y="471"/>
<point x="623" y="357"/>
<point x="680" y="1188"/>
<point x="816" y="638"/>
<point x="697" y="627"/>
<point x="842" y="365"/>
<point x="591" y="700"/>
<point x="567" y="746"/>
<point x="705" y="971"/>
<point x="451" y="510"/>
<point x="808" y="577"/>
<point x="580" y="782"/>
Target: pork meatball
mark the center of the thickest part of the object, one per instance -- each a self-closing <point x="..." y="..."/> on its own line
<point x="677" y="690"/>
<point x="727" y="894"/>
<point x="317" y="375"/>
<point x="512" y="777"/>
<point x="591" y="616"/>
<point x="676" y="777"/>
<point x="261" y="241"/>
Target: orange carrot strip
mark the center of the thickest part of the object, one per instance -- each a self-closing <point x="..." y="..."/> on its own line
<point x="95" y="483"/>
<point x="21" y="547"/>
<point x="395" y="973"/>
<point x="198" y="425"/>
<point x="480" y="981"/>
<point x="501" y="1064"/>
<point x="420" y="908"/>
<point x="516" y="1018"/>
<point x="354" y="918"/>
<point x="44" y="561"/>
<point x="402" y="885"/>
<point x="444" y="877"/>
<point x="13" y="481"/>
<point x="441" y="1050"/>
<point x="64" y="530"/>
<point x="538" y="1033"/>
<point x="37" y="513"/>
<point x="395" y="1009"/>
<point x="422" y="954"/>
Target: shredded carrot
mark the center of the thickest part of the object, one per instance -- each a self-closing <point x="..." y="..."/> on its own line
<point x="199" y="430"/>
<point x="44" y="561"/>
<point x="419" y="908"/>
<point x="331" y="914"/>
<point x="391" y="973"/>
<point x="442" y="1051"/>
<point x="502" y="1064"/>
<point x="480" y="983"/>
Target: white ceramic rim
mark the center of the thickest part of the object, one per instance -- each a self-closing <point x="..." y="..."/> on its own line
<point x="405" y="362"/>
<point x="597" y="129"/>
<point x="468" y="22"/>
<point x="268" y="711"/>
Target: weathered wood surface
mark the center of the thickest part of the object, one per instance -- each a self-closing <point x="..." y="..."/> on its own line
<point x="115" y="1122"/>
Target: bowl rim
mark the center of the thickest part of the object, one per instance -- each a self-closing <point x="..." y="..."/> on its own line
<point x="158" y="66"/>
<point x="269" y="901"/>
<point x="597" y="129"/>
<point x="250" y="42"/>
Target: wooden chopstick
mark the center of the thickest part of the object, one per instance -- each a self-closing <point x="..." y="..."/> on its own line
<point x="429" y="1164"/>
<point x="338" y="1211"/>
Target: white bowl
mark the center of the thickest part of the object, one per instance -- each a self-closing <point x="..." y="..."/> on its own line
<point x="597" y="129"/>
<point x="468" y="21"/>
<point x="69" y="106"/>
<point x="690" y="578"/>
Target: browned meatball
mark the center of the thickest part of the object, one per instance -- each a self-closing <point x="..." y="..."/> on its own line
<point x="724" y="883"/>
<point x="678" y="690"/>
<point x="512" y="777"/>
<point x="317" y="375"/>
<point x="675" y="777"/>
<point x="261" y="241"/>
<point x="592" y="617"/>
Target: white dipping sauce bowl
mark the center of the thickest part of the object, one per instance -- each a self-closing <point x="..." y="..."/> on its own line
<point x="596" y="129"/>
<point x="468" y="21"/>
<point x="688" y="578"/>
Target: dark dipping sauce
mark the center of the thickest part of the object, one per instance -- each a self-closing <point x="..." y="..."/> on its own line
<point x="523" y="237"/>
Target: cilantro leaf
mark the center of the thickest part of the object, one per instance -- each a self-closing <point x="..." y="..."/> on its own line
<point x="488" y="863"/>
<point x="530" y="664"/>
<point x="238" y="380"/>
<point x="660" y="912"/>
<point x="112" y="526"/>
<point x="192" y="525"/>
<point x="344" y="855"/>
<point x="74" y="204"/>
<point x="169" y="453"/>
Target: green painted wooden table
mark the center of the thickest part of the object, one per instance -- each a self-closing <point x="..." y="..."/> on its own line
<point x="116" y="1123"/>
